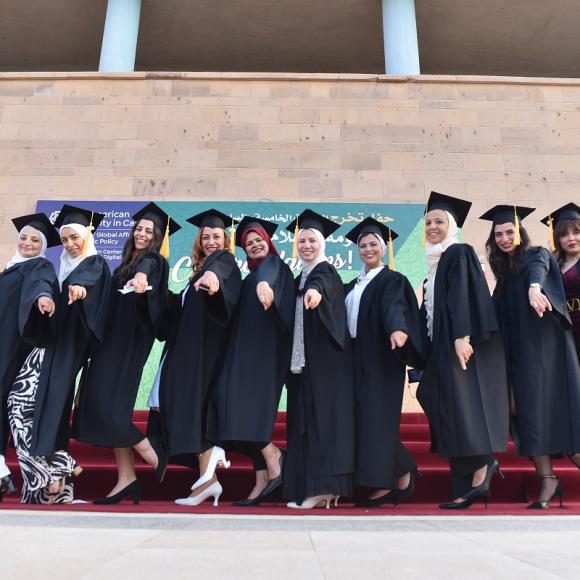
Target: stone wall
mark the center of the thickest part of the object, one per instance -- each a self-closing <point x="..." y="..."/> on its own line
<point x="288" y="137"/>
<point x="303" y="138"/>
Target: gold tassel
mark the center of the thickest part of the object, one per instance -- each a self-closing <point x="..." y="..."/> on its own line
<point x="391" y="253"/>
<point x="551" y="240"/>
<point x="164" y="250"/>
<point x="295" y="244"/>
<point x="233" y="238"/>
<point x="517" y="237"/>
<point x="88" y="237"/>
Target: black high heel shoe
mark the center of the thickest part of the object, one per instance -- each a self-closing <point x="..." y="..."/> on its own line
<point x="463" y="505"/>
<point x="133" y="490"/>
<point x="161" y="460"/>
<point x="7" y="485"/>
<point x="481" y="491"/>
<point x="559" y="492"/>
<point x="403" y="495"/>
<point x="390" y="497"/>
<point x="276" y="481"/>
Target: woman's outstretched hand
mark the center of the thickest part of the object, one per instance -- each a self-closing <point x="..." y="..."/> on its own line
<point x="312" y="299"/>
<point x="464" y="351"/>
<point x="538" y="301"/>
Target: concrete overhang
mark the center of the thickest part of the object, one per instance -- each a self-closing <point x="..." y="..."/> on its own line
<point x="480" y="37"/>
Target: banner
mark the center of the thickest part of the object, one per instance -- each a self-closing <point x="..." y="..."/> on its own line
<point x="110" y="238"/>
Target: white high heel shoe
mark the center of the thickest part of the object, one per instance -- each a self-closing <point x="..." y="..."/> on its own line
<point x="316" y="501"/>
<point x="217" y="457"/>
<point x="214" y="490"/>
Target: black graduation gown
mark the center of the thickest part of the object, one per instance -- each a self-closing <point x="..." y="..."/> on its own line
<point x="543" y="368"/>
<point x="387" y="304"/>
<point x="79" y="326"/>
<point x="194" y="353"/>
<point x="257" y="360"/>
<point x="468" y="411"/>
<point x="321" y="434"/>
<point x="109" y="391"/>
<point x="22" y="326"/>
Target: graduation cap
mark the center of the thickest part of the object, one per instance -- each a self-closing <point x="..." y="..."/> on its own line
<point x="69" y="214"/>
<point x="372" y="226"/>
<point x="570" y="211"/>
<point x="39" y="222"/>
<point x="458" y="208"/>
<point x="248" y="222"/>
<point x="163" y="220"/>
<point x="503" y="214"/>
<point x="308" y="220"/>
<point x="213" y="218"/>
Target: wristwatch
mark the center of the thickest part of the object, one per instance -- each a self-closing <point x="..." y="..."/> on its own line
<point x="536" y="285"/>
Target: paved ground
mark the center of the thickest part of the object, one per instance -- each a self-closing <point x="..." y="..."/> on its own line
<point x="92" y="546"/>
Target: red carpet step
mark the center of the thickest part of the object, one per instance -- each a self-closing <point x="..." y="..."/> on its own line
<point x="520" y="484"/>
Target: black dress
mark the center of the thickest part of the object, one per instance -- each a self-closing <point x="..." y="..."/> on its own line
<point x="79" y="326"/>
<point x="108" y="394"/>
<point x="246" y="396"/>
<point x="194" y="352"/>
<point x="22" y="326"/>
<point x="468" y="410"/>
<point x="543" y="367"/>
<point x="387" y="304"/>
<point x="572" y="286"/>
<point x="320" y="457"/>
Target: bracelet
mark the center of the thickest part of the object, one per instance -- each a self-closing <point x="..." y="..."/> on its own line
<point x="536" y="285"/>
<point x="467" y="339"/>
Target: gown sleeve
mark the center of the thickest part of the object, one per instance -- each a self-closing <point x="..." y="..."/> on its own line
<point x="221" y="306"/>
<point x="541" y="268"/>
<point x="400" y="311"/>
<point x="279" y="277"/>
<point x="151" y="303"/>
<point x="331" y="309"/>
<point x="35" y="328"/>
<point x="468" y="301"/>
<point x="94" y="275"/>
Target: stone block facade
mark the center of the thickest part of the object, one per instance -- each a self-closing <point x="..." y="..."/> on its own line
<point x="288" y="137"/>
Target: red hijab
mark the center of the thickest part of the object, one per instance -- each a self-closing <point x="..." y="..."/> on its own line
<point x="253" y="263"/>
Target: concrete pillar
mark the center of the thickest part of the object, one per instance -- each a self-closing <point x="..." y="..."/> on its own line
<point x="120" y="36"/>
<point x="400" y="37"/>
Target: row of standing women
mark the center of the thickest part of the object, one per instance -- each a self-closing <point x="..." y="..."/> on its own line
<point x="488" y="364"/>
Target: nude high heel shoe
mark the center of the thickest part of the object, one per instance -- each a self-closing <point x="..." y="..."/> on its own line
<point x="316" y="501"/>
<point x="217" y="457"/>
<point x="214" y="490"/>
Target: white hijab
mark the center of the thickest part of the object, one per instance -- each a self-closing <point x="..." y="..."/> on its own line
<point x="309" y="265"/>
<point x="433" y="253"/>
<point x="18" y="257"/>
<point x="68" y="264"/>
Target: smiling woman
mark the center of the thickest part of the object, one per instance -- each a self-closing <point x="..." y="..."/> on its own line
<point x="105" y="408"/>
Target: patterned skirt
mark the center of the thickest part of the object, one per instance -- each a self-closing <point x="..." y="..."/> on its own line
<point x="38" y="473"/>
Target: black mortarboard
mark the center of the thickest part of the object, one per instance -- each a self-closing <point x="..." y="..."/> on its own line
<point x="211" y="218"/>
<point x="458" y="208"/>
<point x="70" y="214"/>
<point x="154" y="213"/>
<point x="39" y="222"/>
<point x="372" y="226"/>
<point x="503" y="214"/>
<point x="249" y="222"/>
<point x="570" y="211"/>
<point x="309" y="219"/>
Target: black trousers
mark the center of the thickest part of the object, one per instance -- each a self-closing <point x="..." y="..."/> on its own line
<point x="462" y="469"/>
